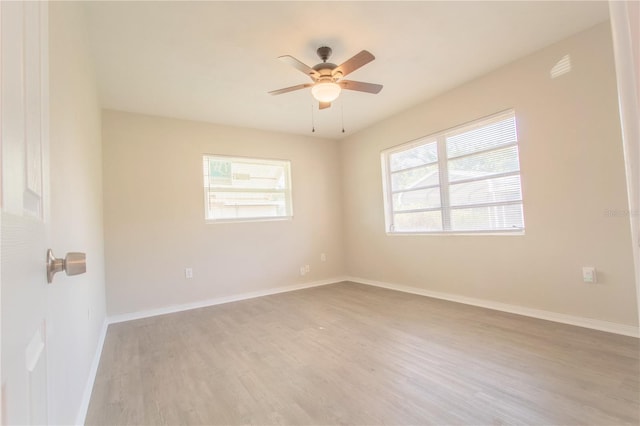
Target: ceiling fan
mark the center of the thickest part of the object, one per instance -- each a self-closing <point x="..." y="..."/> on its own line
<point x="328" y="78"/>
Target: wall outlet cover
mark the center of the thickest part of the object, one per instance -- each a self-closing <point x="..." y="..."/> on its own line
<point x="589" y="274"/>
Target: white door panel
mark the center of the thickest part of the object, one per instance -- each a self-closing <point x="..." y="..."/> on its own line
<point x="33" y="95"/>
<point x="25" y="232"/>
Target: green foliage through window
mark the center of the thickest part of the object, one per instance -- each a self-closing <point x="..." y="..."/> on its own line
<point x="237" y="188"/>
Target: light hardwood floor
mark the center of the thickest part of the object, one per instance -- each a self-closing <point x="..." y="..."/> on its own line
<point x="352" y="354"/>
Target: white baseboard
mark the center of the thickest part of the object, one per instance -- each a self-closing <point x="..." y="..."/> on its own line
<point x="611" y="327"/>
<point x="219" y="300"/>
<point x="88" y="388"/>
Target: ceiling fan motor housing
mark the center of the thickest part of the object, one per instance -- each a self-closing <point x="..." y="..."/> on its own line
<point x="325" y="69"/>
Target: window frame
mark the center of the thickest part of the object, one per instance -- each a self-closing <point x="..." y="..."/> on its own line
<point x="444" y="182"/>
<point x="287" y="191"/>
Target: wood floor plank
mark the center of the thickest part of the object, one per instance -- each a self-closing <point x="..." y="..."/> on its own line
<point x="354" y="354"/>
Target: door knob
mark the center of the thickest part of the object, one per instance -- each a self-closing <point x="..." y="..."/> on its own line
<point x="72" y="264"/>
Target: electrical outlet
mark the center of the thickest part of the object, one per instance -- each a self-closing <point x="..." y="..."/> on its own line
<point x="307" y="269"/>
<point x="589" y="274"/>
<point x="323" y="257"/>
<point x="188" y="273"/>
<point x="302" y="271"/>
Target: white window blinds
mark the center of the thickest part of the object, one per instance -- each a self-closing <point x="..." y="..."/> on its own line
<point x="465" y="179"/>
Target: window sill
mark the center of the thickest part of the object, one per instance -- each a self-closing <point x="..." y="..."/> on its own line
<point x="248" y="220"/>
<point x="458" y="234"/>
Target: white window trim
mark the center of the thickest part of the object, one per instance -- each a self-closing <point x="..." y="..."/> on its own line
<point x="439" y="138"/>
<point x="288" y="192"/>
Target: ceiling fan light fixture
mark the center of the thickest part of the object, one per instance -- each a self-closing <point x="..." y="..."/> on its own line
<point x="325" y="91"/>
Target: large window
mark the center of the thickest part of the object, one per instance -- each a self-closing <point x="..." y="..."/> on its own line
<point x="462" y="180"/>
<point x="237" y="188"/>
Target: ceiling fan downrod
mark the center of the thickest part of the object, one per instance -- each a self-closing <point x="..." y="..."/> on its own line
<point x="324" y="52"/>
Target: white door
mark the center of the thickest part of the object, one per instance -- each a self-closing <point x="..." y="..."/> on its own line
<point x="24" y="107"/>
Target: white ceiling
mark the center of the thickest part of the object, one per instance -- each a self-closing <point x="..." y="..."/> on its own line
<point x="216" y="61"/>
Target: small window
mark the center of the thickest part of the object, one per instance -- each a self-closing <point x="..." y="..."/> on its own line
<point x="462" y="180"/>
<point x="237" y="188"/>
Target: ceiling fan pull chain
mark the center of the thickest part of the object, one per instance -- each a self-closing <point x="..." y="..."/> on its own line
<point x="313" y="121"/>
<point x="342" y="112"/>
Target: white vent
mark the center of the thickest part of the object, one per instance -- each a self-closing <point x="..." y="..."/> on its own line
<point x="563" y="66"/>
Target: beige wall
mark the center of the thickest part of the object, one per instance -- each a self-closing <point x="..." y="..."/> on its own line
<point x="76" y="305"/>
<point x="572" y="172"/>
<point x="154" y="214"/>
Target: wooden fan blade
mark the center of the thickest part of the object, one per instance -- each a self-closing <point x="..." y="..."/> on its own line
<point x="323" y="105"/>
<point x="300" y="66"/>
<point x="350" y="65"/>
<point x="290" y="89"/>
<point x="360" y="86"/>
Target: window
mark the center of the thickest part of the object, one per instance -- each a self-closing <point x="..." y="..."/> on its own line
<point x="237" y="188"/>
<point x="465" y="179"/>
